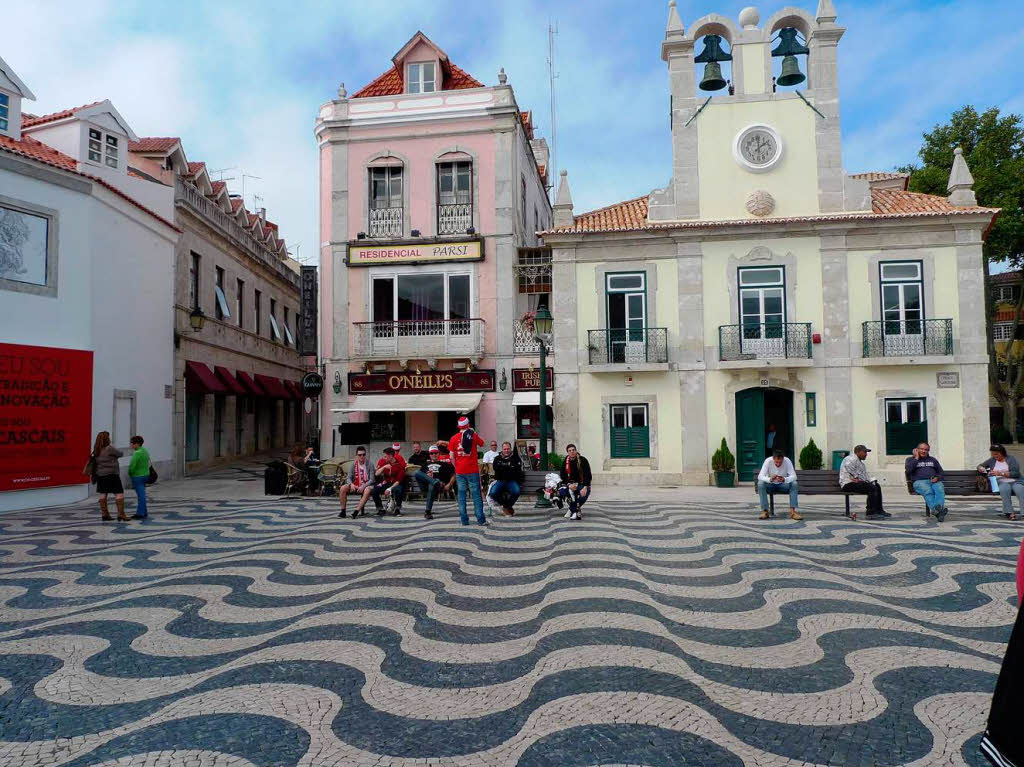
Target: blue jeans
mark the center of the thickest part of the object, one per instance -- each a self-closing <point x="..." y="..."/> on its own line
<point x="934" y="493"/>
<point x="429" y="485"/>
<point x="507" y="487"/>
<point x="764" y="488"/>
<point x="397" y="492"/>
<point x="465" y="483"/>
<point x="139" y="486"/>
<point x="582" y="496"/>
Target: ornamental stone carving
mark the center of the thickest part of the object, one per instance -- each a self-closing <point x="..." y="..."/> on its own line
<point x="760" y="203"/>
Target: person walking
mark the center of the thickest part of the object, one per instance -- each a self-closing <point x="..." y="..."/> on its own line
<point x="138" y="475"/>
<point x="359" y="481"/>
<point x="464" y="447"/>
<point x="108" y="475"/>
<point x="925" y="474"/>
<point x="1006" y="469"/>
<point x="508" y="474"/>
<point x="576" y="481"/>
<point x="390" y="475"/>
<point x="854" y="478"/>
<point x="777" y="475"/>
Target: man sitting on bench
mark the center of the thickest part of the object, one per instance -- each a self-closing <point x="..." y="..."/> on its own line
<point x="778" y="476"/>
<point x="853" y="478"/>
<point x="925" y="473"/>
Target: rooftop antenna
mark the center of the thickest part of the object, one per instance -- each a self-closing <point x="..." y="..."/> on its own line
<point x="244" y="177"/>
<point x="553" y="171"/>
<point x="224" y="170"/>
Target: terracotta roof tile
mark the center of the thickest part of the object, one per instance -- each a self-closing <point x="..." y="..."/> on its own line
<point x="879" y="176"/>
<point x="29" y="121"/>
<point x="218" y="186"/>
<point x="153" y="144"/>
<point x="195" y="167"/>
<point x="631" y="215"/>
<point x="391" y="83"/>
<point x="236" y="203"/>
<point x="1007" y="278"/>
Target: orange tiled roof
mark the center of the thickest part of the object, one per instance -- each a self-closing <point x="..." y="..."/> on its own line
<point x="391" y="83"/>
<point x="217" y="186"/>
<point x="1007" y="278"/>
<point x="195" y="167"/>
<point x="879" y="176"/>
<point x="153" y="144"/>
<point x="28" y="121"/>
<point x="236" y="203"/>
<point x="631" y="215"/>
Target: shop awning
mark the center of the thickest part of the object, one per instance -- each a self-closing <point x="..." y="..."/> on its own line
<point x="254" y="389"/>
<point x="528" y="398"/>
<point x="272" y="386"/>
<point x="293" y="390"/>
<point x="227" y="378"/>
<point x="201" y="380"/>
<point x="386" y="403"/>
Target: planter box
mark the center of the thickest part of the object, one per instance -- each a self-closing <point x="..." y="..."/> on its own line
<point x="725" y="479"/>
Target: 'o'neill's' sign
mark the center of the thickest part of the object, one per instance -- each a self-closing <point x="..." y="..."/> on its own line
<point x="431" y="382"/>
<point x="414" y="252"/>
<point x="524" y="379"/>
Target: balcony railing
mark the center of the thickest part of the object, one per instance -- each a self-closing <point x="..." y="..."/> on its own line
<point x="419" y="339"/>
<point x="386" y="222"/>
<point x="772" y="340"/>
<point x="454" y="219"/>
<point x="525" y="339"/>
<point x="628" y="346"/>
<point x="908" y="338"/>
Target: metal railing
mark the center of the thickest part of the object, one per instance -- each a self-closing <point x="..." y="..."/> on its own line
<point x="386" y="222"/>
<point x="627" y="346"/>
<point x="525" y="341"/>
<point x="770" y="340"/>
<point x="418" y="339"/>
<point x="908" y="338"/>
<point x="188" y="196"/>
<point x="455" y="218"/>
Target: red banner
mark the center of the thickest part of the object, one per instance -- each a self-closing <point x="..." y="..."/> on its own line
<point x="525" y="379"/>
<point x="45" y="416"/>
<point x="430" y="382"/>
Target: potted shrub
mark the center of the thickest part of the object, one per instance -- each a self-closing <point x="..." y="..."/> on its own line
<point x="723" y="463"/>
<point x="810" y="457"/>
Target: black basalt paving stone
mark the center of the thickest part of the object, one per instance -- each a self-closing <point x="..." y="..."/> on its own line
<point x="626" y="744"/>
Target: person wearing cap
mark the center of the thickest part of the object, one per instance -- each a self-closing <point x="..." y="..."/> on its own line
<point x="390" y="480"/>
<point x="464" y="448"/>
<point x="854" y="478"/>
<point x="430" y="485"/>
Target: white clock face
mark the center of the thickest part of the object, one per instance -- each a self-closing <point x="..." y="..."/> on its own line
<point x="759" y="147"/>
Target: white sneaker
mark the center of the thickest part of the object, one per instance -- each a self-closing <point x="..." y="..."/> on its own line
<point x="568" y="515"/>
<point x="575" y="515"/>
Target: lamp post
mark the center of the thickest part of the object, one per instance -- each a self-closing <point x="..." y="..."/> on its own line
<point x="541" y="328"/>
<point x="196" y="319"/>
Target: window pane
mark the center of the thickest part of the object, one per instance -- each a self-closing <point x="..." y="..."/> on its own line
<point x="893" y="271"/>
<point x="396" y="187"/>
<point x="93" y="133"/>
<point x="638" y="416"/>
<point x="751" y="305"/>
<point x="421" y="297"/>
<point x="636" y="309"/>
<point x="429" y="82"/>
<point x="619" y="417"/>
<point x="894" y="412"/>
<point x="112" y="141"/>
<point x="625" y="281"/>
<point x="914" y="412"/>
<point x="458" y="297"/>
<point x="912" y="300"/>
<point x="383" y="300"/>
<point x="773" y="302"/>
<point x="766" y="276"/>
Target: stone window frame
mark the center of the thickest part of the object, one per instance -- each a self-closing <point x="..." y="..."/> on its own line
<point x="455" y="153"/>
<point x="757" y="257"/>
<point x="132" y="396"/>
<point x="650" y="271"/>
<point x="607" y="462"/>
<point x="449" y="269"/>
<point x="383" y="159"/>
<point x="927" y="260"/>
<point x="932" y="410"/>
<point x="52" y="216"/>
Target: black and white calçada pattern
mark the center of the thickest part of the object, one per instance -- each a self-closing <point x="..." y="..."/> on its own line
<point x="272" y="633"/>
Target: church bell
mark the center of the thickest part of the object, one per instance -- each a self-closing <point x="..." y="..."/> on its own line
<point x="789" y="48"/>
<point x="712" y="55"/>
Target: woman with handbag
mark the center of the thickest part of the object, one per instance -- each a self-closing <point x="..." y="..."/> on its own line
<point x="139" y="475"/>
<point x="107" y="472"/>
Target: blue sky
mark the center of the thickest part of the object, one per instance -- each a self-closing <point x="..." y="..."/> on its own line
<point x="241" y="82"/>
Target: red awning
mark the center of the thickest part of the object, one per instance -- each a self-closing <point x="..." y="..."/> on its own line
<point x="201" y="380"/>
<point x="272" y="386"/>
<point x="250" y="385"/>
<point x="293" y="392"/>
<point x="228" y="379"/>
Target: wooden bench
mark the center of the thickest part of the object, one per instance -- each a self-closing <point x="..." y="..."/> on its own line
<point x="817" y="482"/>
<point x="960" y="484"/>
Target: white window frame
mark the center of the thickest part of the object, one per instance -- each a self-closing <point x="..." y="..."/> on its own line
<point x="630" y="412"/>
<point x="395" y="276"/>
<point x="222" y="303"/>
<point x="5" y="112"/>
<point x="1001" y="331"/>
<point x="275" y="331"/>
<point x="1004" y="294"/>
<point x="416" y="82"/>
<point x="193" y="279"/>
<point x="102" y="148"/>
<point x="903" y="403"/>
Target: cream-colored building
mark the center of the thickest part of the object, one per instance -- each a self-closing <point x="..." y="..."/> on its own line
<point x="765" y="287"/>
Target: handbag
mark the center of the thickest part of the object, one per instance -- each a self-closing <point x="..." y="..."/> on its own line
<point x="90" y="469"/>
<point x="152" y="478"/>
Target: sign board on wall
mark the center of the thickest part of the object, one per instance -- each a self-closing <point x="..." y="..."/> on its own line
<point x="947" y="380"/>
<point x="421" y="383"/>
<point x="45" y="416"/>
<point x="308" y="318"/>
<point x="525" y="379"/>
<point x="414" y="253"/>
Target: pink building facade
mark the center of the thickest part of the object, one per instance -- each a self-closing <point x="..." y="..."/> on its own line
<point x="432" y="187"/>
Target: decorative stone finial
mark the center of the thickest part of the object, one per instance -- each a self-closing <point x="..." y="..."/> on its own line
<point x="502" y="77"/>
<point x="342" y="93"/>
<point x="961" y="182"/>
<point x="750" y="17"/>
<point x="675" y="24"/>
<point x="562" y="208"/>
<point x="826" y="12"/>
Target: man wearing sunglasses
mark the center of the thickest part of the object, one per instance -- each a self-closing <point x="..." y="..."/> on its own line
<point x="360" y="482"/>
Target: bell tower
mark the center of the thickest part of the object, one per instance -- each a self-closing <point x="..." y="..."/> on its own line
<point x="755" y="118"/>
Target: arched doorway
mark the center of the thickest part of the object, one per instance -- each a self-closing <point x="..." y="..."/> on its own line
<point x="764" y="421"/>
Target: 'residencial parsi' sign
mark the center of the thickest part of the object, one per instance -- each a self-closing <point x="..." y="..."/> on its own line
<point x="379" y="254"/>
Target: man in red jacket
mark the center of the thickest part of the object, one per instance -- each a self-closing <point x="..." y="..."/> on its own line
<point x="465" y="455"/>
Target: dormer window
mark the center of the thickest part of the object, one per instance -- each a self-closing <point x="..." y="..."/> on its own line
<point x="5" y="111"/>
<point x="103" y="148"/>
<point x="422" y="77"/>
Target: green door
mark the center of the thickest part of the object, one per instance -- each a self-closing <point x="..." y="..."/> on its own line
<point x="749" y="433"/>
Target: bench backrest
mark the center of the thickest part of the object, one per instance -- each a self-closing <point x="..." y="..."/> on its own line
<point x="818" y="482"/>
<point x="957" y="483"/>
<point x="533" y="480"/>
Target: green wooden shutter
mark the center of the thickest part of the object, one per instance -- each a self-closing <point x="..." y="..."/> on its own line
<point x="902" y="438"/>
<point x="631" y="442"/>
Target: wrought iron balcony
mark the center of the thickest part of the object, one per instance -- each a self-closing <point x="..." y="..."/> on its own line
<point x="454" y="219"/>
<point x="386" y="222"/>
<point x="419" y="339"/>
<point x="908" y="338"/>
<point x="627" y="346"/>
<point x="772" y="340"/>
<point x="525" y="340"/>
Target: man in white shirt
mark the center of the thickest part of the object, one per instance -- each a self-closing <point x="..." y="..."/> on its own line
<point x="778" y="476"/>
<point x="854" y="478"/>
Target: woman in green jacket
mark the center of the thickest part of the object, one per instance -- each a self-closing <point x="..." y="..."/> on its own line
<point x="138" y="475"/>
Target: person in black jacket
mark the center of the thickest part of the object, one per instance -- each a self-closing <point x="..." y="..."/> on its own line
<point x="508" y="474"/>
<point x="576" y="479"/>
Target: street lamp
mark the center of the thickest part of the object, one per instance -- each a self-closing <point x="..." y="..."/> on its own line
<point x="196" y="319"/>
<point x="542" y="321"/>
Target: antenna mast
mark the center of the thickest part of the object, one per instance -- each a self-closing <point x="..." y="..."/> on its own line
<point x="553" y="170"/>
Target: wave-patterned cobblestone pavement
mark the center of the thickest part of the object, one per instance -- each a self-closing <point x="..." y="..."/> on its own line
<point x="272" y="633"/>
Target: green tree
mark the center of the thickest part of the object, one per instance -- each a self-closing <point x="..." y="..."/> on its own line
<point x="993" y="146"/>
